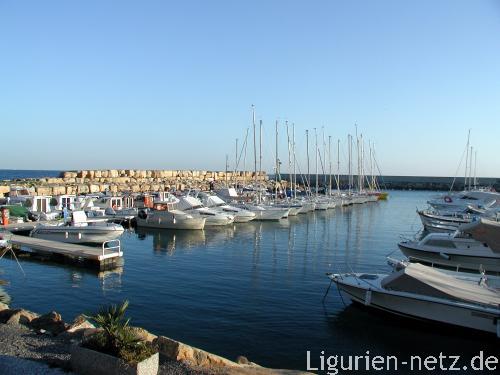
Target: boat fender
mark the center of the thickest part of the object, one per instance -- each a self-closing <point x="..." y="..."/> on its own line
<point x="445" y="256"/>
<point x="142" y="214"/>
<point x="448" y="199"/>
<point x="368" y="297"/>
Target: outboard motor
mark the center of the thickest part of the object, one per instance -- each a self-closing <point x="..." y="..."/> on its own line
<point x="142" y="214"/>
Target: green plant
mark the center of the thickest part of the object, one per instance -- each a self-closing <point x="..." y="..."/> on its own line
<point x="117" y="338"/>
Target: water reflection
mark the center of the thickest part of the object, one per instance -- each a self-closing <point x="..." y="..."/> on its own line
<point x="168" y="240"/>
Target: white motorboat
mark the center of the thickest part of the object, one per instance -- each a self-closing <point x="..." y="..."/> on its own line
<point x="457" y="250"/>
<point x="194" y="206"/>
<point x="78" y="231"/>
<point x="214" y="202"/>
<point x="421" y="292"/>
<point x="321" y="204"/>
<point x="265" y="212"/>
<point x="307" y="206"/>
<point x="460" y="201"/>
<point x="434" y="221"/>
<point x="171" y="219"/>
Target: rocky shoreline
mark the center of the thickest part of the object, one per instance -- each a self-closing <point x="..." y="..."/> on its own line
<point x="46" y="339"/>
<point x="131" y="180"/>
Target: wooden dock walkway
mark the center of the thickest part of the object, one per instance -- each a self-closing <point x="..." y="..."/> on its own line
<point x="104" y="256"/>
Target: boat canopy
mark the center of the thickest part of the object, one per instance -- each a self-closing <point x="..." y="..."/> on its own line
<point x="484" y="230"/>
<point x="419" y="279"/>
<point x="214" y="200"/>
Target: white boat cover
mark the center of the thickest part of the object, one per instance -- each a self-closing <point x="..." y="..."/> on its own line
<point x="419" y="279"/>
<point x="484" y="230"/>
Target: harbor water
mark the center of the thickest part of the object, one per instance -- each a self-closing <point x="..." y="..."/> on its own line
<point x="255" y="289"/>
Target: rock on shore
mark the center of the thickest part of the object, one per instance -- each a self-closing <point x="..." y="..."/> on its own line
<point x="48" y="339"/>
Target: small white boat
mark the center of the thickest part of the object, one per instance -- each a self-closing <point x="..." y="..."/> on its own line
<point x="434" y="221"/>
<point x="421" y="292"/>
<point x="457" y="250"/>
<point x="480" y="198"/>
<point x="171" y="219"/>
<point x="78" y="231"/>
<point x="214" y="202"/>
<point x="194" y="207"/>
<point x="266" y="212"/>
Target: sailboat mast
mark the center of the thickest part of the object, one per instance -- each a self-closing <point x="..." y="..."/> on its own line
<point x="254" y="146"/>
<point x="330" y="163"/>
<point x="338" y="166"/>
<point x="323" y="163"/>
<point x="276" y="166"/>
<point x="290" y="177"/>
<point x="349" y="165"/>
<point x="470" y="167"/>
<point x="236" y="164"/>
<point x="260" y="154"/>
<point x="316" y="140"/>
<point x="227" y="167"/>
<point x="293" y="160"/>
<point x="475" y="169"/>
<point x="466" y="160"/>
<point x="307" y="153"/>
<point x="245" y="160"/>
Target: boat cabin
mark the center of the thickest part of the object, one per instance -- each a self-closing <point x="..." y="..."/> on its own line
<point x="34" y="203"/>
<point x="65" y="200"/>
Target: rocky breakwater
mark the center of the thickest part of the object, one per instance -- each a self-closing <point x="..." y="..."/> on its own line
<point x="47" y="338"/>
<point x="131" y="180"/>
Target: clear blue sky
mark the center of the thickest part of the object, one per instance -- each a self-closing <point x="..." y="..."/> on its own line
<point x="169" y="85"/>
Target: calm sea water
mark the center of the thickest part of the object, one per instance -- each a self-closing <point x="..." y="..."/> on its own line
<point x="255" y="289"/>
<point x="12" y="174"/>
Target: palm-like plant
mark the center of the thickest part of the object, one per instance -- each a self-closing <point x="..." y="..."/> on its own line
<point x="116" y="336"/>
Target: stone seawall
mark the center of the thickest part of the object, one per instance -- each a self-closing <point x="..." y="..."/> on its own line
<point x="130" y="180"/>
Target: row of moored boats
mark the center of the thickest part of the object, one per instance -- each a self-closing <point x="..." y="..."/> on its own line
<point x="452" y="274"/>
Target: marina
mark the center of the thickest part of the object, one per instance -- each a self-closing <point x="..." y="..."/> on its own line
<point x="250" y="188"/>
<point x="265" y="280"/>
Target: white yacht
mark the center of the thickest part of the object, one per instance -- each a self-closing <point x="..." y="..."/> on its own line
<point x="214" y="202"/>
<point x="265" y="212"/>
<point x="79" y="230"/>
<point x="460" y="201"/>
<point x="171" y="219"/>
<point x="422" y="292"/>
<point x="458" y="250"/>
<point x="194" y="206"/>
<point x="435" y="221"/>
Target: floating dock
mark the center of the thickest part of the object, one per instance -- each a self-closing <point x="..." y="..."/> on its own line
<point x="105" y="257"/>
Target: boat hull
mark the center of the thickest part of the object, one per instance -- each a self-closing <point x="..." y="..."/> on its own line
<point x="183" y="224"/>
<point x="78" y="235"/>
<point x="457" y="261"/>
<point x="410" y="307"/>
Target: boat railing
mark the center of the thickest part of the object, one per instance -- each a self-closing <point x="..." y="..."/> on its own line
<point x="115" y="248"/>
